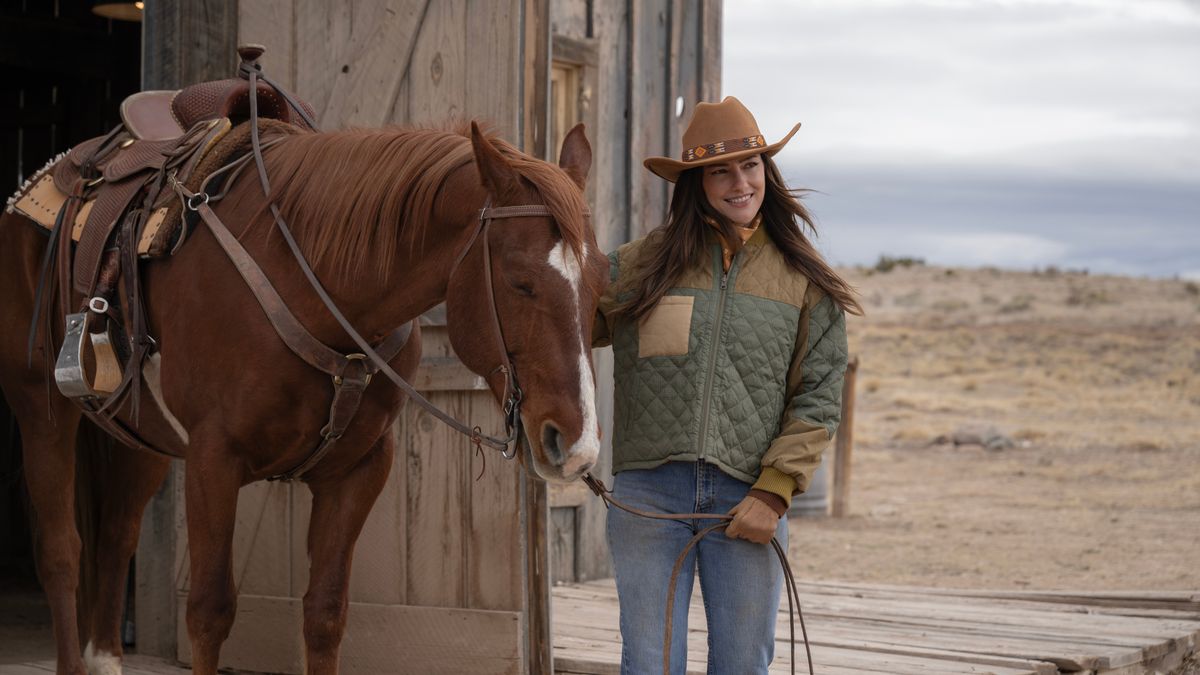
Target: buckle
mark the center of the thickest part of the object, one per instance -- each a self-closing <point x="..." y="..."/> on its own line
<point x="98" y="305"/>
<point x="338" y="379"/>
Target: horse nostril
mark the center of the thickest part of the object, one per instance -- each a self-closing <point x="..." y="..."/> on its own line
<point x="552" y="443"/>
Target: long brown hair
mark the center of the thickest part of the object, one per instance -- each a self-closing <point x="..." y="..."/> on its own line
<point x="681" y="242"/>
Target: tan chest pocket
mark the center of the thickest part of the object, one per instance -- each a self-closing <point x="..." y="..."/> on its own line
<point x="666" y="330"/>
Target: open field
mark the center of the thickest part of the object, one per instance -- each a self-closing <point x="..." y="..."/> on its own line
<point x="1086" y="391"/>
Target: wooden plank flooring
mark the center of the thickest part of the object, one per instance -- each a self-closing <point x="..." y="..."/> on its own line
<point x="134" y="664"/>
<point x="860" y="628"/>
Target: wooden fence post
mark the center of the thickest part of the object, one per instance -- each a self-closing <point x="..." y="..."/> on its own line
<point x="844" y="444"/>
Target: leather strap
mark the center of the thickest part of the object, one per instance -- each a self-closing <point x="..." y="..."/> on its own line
<point x="348" y="388"/>
<point x="601" y="490"/>
<point x="351" y="374"/>
<point x="295" y="336"/>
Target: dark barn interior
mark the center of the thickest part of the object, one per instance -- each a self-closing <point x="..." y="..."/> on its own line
<point x="66" y="70"/>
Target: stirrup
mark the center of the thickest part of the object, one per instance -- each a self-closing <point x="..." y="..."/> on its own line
<point x="69" y="371"/>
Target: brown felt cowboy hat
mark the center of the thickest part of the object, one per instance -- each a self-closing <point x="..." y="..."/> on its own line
<point x="718" y="132"/>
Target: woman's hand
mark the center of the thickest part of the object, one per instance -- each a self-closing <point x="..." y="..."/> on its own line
<point x="753" y="521"/>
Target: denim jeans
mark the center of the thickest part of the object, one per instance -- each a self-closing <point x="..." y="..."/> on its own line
<point x="740" y="581"/>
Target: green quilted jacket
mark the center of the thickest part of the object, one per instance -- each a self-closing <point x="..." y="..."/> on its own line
<point x="742" y="369"/>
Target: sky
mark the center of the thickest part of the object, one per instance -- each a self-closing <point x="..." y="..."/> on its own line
<point x="1014" y="133"/>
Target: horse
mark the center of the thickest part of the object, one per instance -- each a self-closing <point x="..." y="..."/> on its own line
<point x="390" y="221"/>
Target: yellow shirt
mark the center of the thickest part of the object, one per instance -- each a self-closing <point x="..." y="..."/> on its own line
<point x="744" y="231"/>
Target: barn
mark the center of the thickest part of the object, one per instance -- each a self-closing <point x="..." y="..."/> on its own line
<point x="454" y="568"/>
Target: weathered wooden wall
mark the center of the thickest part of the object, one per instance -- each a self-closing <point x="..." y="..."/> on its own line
<point x="654" y="60"/>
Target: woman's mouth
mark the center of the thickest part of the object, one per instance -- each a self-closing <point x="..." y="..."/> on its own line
<point x="740" y="201"/>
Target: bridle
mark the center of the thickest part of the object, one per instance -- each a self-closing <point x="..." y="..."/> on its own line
<point x="200" y="203"/>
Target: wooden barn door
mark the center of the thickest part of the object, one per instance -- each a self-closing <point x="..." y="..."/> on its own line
<point x="450" y="573"/>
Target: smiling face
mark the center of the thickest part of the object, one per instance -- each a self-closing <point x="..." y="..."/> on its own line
<point x="735" y="188"/>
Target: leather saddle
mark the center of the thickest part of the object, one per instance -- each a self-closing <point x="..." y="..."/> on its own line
<point x="117" y="196"/>
<point x="165" y="115"/>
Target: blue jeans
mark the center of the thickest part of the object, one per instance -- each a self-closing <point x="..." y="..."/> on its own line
<point x="740" y="581"/>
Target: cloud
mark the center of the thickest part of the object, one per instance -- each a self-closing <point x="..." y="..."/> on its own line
<point x="964" y="215"/>
<point x="984" y="80"/>
<point x="1012" y="132"/>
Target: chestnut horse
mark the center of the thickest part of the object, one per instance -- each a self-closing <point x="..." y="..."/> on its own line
<point x="388" y="220"/>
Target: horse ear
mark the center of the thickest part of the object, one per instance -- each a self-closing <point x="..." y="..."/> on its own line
<point x="497" y="174"/>
<point x="576" y="155"/>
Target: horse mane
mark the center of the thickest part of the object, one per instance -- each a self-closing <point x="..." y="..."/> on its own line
<point x="349" y="195"/>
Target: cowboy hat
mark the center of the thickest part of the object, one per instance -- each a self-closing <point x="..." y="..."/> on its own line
<point x="717" y="132"/>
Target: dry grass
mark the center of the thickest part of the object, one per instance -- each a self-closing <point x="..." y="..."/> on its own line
<point x="1096" y="380"/>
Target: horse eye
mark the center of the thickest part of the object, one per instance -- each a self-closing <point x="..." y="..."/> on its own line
<point x="524" y="289"/>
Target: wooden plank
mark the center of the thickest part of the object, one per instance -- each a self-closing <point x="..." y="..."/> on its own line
<point x="493" y="74"/>
<point x="271" y="23"/>
<point x="570" y="17"/>
<point x="446" y="373"/>
<point x="322" y="47"/>
<point x="562" y="544"/>
<point x="436" y="505"/>
<point x="378" y="637"/>
<point x="535" y="106"/>
<point x="381" y="551"/>
<point x="844" y="445"/>
<point x="188" y="42"/>
<point x="648" y="73"/>
<point x="539" y="639"/>
<point x="365" y="87"/>
<point x="493" y="534"/>
<point x="437" y="74"/>
<point x="710" y="64"/>
<point x="262" y="539"/>
<point x="1019" y="635"/>
<point x="611" y="154"/>
<point x="26" y="668"/>
<point x="157" y="562"/>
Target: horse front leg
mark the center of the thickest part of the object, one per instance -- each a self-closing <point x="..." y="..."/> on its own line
<point x="211" y="489"/>
<point x="128" y="480"/>
<point x="339" y="509"/>
<point x="48" y="453"/>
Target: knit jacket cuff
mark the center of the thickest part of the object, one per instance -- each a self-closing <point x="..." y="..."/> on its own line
<point x="776" y="482"/>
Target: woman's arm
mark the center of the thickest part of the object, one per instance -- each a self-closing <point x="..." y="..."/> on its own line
<point x="813" y="411"/>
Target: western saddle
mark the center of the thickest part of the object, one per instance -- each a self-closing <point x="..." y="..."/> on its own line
<point x="119" y="197"/>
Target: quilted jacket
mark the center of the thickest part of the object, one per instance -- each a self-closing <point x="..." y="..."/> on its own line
<point x="742" y="368"/>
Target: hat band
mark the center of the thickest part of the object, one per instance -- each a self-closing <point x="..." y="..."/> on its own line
<point x="724" y="147"/>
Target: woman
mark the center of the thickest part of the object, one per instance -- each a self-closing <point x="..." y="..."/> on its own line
<point x="729" y="340"/>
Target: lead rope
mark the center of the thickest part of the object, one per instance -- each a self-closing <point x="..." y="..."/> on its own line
<point x="597" y="486"/>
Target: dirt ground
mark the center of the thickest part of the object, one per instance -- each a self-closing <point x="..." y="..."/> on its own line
<point x="1086" y="390"/>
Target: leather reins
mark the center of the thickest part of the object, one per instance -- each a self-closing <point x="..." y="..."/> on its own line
<point x="597" y="486"/>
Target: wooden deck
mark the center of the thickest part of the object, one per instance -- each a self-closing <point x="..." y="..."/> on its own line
<point x="134" y="664"/>
<point x="856" y="628"/>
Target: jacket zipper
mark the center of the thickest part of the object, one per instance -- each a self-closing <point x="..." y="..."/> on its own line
<point x="712" y="361"/>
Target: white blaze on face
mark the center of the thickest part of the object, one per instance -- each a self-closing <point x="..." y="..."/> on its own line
<point x="585" y="450"/>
